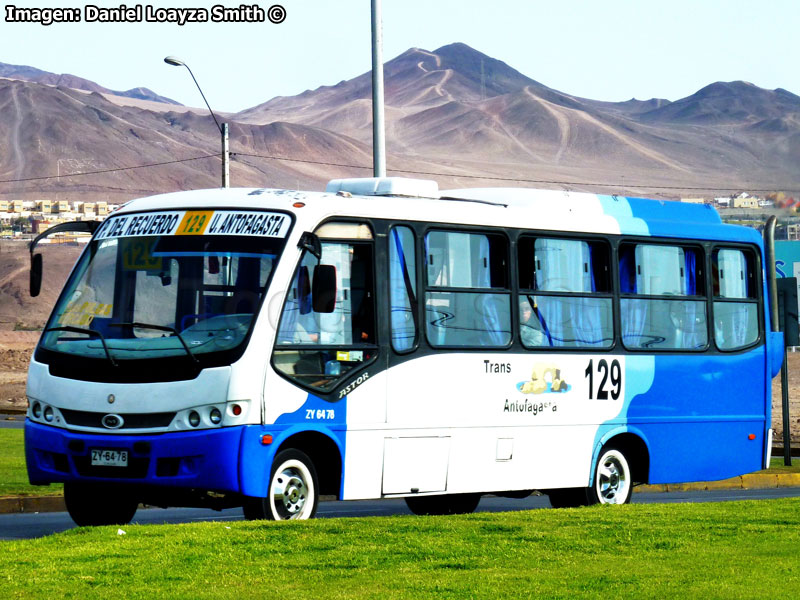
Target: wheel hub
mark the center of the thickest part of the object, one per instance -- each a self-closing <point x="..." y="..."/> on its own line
<point x="289" y="492"/>
<point x="612" y="482"/>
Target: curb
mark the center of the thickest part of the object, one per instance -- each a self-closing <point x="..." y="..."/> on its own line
<point x="42" y="504"/>
<point x="743" y="482"/>
<point x="32" y="504"/>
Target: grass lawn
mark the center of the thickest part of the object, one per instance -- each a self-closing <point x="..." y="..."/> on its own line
<point x="776" y="465"/>
<point x="13" y="476"/>
<point x="726" y="550"/>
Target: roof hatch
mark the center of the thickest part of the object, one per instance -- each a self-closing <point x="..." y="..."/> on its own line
<point x="385" y="186"/>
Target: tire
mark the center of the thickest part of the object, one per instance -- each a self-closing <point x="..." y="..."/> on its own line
<point x="91" y="504"/>
<point x="293" y="492"/>
<point x="612" y="483"/>
<point x="568" y="497"/>
<point x="448" y="504"/>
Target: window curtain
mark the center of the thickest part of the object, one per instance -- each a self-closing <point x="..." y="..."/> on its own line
<point x="401" y="316"/>
<point x="733" y="284"/>
<point x="566" y="266"/>
<point x="633" y="312"/>
<point x="491" y="324"/>
<point x="692" y="336"/>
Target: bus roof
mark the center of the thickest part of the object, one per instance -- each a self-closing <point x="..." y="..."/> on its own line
<point x="548" y="210"/>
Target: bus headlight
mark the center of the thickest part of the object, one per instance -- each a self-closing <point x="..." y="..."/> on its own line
<point x="36" y="410"/>
<point x="215" y="416"/>
<point x="49" y="415"/>
<point x="194" y="418"/>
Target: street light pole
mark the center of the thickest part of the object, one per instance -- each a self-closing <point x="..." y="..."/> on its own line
<point x="223" y="129"/>
<point x="378" y="137"/>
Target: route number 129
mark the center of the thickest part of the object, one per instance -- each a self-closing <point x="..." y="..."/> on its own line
<point x="604" y="373"/>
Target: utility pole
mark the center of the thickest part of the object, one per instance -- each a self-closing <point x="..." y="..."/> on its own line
<point x="378" y="137"/>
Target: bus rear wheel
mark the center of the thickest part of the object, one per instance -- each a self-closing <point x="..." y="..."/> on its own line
<point x="613" y="483"/>
<point x="91" y="504"/>
<point x="612" y="479"/>
<point x="293" y="492"/>
<point x="448" y="504"/>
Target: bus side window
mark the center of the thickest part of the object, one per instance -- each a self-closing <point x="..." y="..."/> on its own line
<point x="565" y="293"/>
<point x="735" y="298"/>
<point x="403" y="288"/>
<point x="468" y="301"/>
<point x="663" y="303"/>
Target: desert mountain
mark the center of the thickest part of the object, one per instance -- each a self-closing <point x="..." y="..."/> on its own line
<point x="459" y="104"/>
<point x="47" y="131"/>
<point x="32" y="74"/>
<point x="454" y="112"/>
<point x="737" y="102"/>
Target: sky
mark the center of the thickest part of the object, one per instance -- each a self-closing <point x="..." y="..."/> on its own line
<point x="609" y="50"/>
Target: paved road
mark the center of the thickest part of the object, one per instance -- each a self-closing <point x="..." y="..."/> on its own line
<point x="12" y="421"/>
<point x="26" y="526"/>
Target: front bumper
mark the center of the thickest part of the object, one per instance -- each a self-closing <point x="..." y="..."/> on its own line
<point x="205" y="459"/>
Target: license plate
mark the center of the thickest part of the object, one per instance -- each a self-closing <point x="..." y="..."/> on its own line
<point x="109" y="458"/>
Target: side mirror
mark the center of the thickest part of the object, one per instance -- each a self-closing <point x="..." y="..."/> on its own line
<point x="36" y="274"/>
<point x="323" y="289"/>
<point x="309" y="241"/>
<point x="36" y="259"/>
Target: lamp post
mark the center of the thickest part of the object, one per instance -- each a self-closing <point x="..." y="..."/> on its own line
<point x="223" y="129"/>
<point x="378" y="136"/>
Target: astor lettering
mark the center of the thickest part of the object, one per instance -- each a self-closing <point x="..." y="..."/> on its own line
<point x="344" y="391"/>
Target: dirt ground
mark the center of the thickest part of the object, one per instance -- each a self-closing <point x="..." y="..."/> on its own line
<point x="16" y="348"/>
<point x="794" y="401"/>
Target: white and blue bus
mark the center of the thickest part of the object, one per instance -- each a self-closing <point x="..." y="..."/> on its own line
<point x="261" y="348"/>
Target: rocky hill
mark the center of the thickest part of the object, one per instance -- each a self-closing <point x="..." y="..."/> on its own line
<point x="453" y="114"/>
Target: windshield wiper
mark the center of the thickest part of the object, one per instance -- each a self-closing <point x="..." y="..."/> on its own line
<point x="72" y="329"/>
<point x="159" y="328"/>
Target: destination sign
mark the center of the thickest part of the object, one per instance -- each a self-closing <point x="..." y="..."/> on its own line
<point x="196" y="222"/>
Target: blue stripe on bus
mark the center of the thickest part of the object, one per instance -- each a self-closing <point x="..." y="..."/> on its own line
<point x="684" y="220"/>
<point x="315" y="415"/>
<point x="678" y="416"/>
<point x="619" y="208"/>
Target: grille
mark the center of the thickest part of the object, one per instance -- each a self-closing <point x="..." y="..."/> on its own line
<point x="82" y="418"/>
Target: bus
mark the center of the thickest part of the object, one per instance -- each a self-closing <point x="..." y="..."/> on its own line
<point x="263" y="348"/>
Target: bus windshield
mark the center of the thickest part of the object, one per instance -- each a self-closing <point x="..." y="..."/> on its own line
<point x="152" y="297"/>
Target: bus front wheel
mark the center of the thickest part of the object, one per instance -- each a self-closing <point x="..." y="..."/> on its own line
<point x="91" y="504"/>
<point x="293" y="491"/>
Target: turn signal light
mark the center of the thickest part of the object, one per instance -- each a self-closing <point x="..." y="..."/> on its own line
<point x="266" y="439"/>
<point x="236" y="410"/>
<point x="752" y="436"/>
